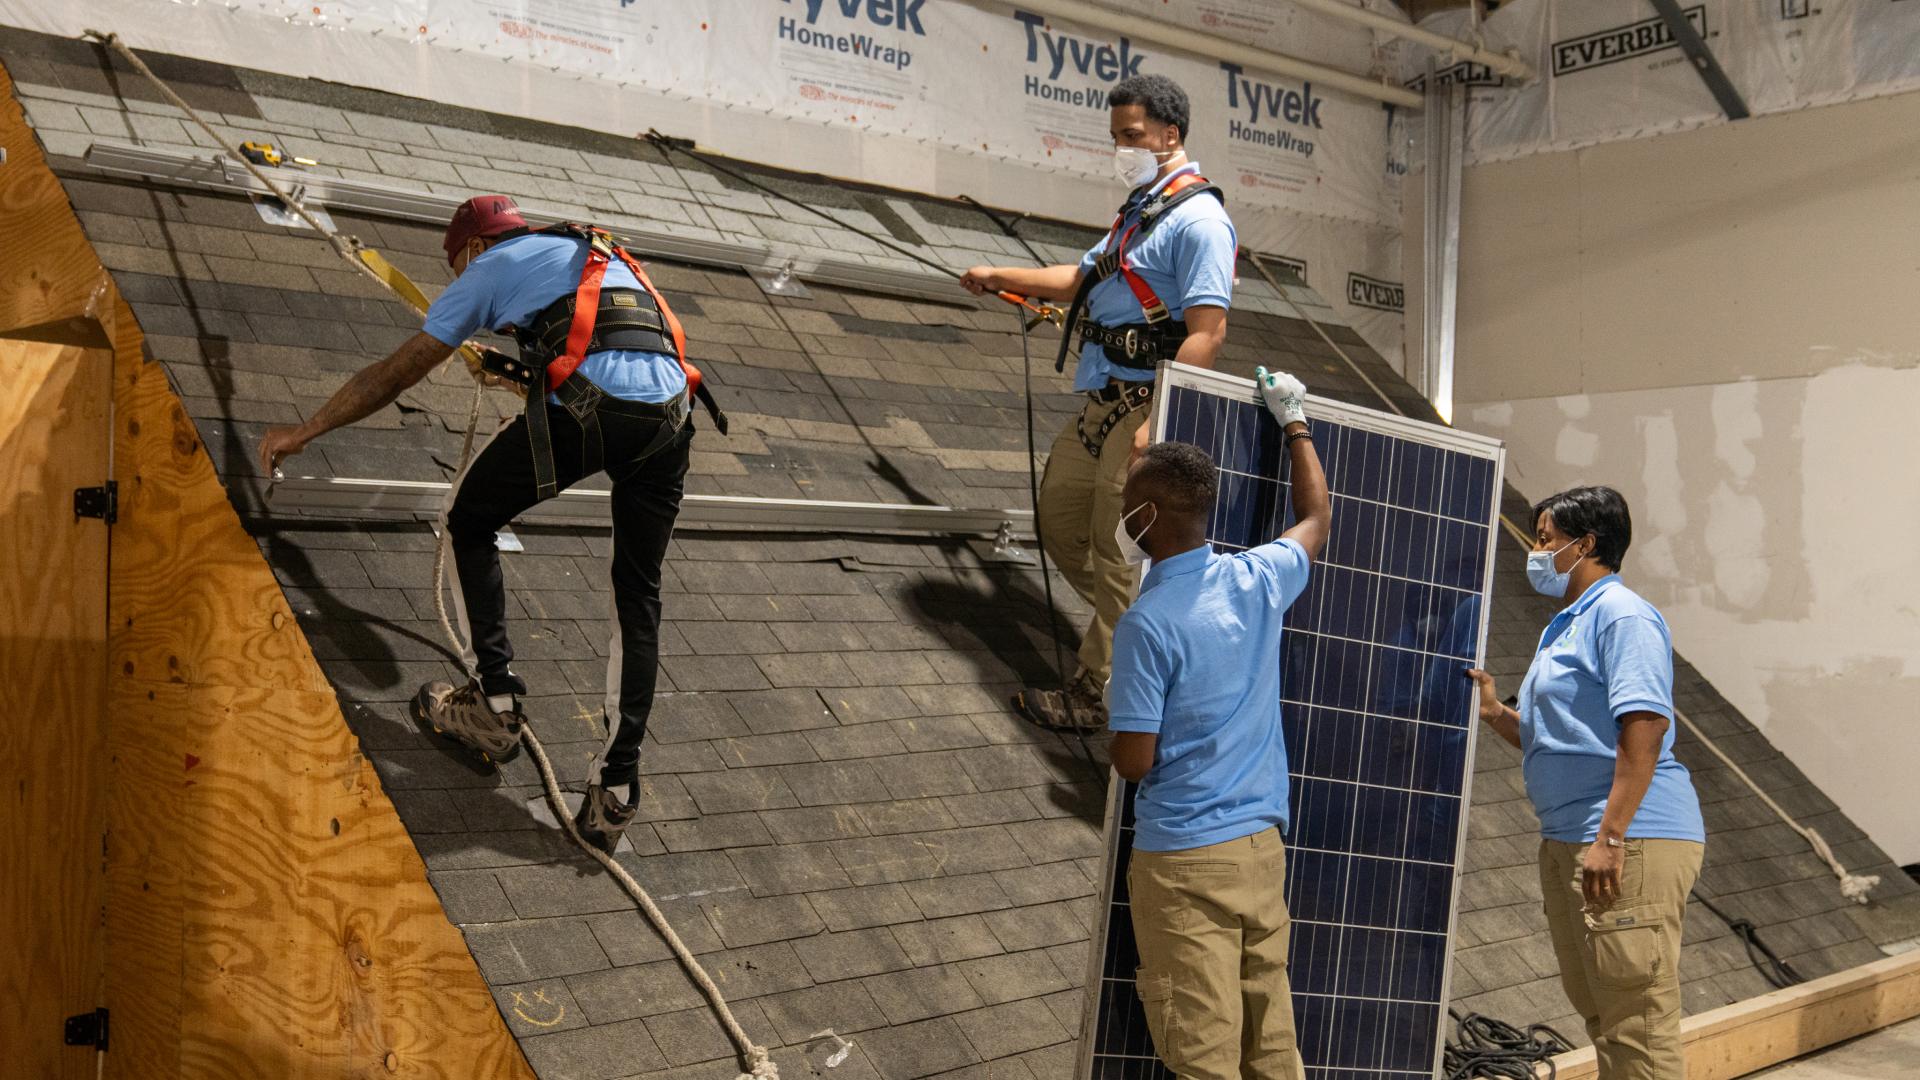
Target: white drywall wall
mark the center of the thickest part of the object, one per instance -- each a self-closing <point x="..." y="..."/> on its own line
<point x="1725" y="325"/>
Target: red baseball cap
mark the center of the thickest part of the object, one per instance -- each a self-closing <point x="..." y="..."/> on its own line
<point x="483" y="216"/>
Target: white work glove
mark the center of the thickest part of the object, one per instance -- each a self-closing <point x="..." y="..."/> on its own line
<point x="1285" y="395"/>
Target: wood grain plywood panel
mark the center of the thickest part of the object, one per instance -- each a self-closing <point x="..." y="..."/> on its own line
<point x="315" y="946"/>
<point x="53" y="638"/>
<point x="266" y="912"/>
<point x="203" y="607"/>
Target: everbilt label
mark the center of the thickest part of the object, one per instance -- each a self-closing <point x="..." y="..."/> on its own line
<point x="1466" y="71"/>
<point x="1089" y="60"/>
<point x="1366" y="292"/>
<point x="903" y="15"/>
<point x="1643" y="38"/>
<point x="1278" y="104"/>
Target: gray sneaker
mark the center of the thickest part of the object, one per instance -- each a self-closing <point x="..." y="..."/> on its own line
<point x="602" y="817"/>
<point x="462" y="714"/>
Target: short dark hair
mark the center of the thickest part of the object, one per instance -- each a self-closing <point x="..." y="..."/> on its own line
<point x="1165" y="102"/>
<point x="1599" y="512"/>
<point x="1181" y="474"/>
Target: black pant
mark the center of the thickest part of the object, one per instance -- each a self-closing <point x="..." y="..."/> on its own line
<point x="645" y="454"/>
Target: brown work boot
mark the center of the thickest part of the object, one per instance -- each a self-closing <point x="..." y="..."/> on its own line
<point x="602" y="817"/>
<point x="1081" y="707"/>
<point x="463" y="715"/>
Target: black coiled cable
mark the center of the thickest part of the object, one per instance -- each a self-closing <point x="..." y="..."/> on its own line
<point x="1484" y="1047"/>
<point x="1775" y="970"/>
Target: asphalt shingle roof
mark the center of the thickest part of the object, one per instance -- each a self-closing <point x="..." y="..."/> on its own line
<point x="839" y="812"/>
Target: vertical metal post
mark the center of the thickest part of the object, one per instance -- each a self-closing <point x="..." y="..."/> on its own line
<point x="1444" y="146"/>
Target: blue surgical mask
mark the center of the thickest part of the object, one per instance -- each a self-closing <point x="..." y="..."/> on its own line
<point x="1544" y="578"/>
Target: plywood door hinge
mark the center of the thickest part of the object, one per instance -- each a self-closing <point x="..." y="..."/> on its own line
<point x="88" y="1029"/>
<point x="98" y="502"/>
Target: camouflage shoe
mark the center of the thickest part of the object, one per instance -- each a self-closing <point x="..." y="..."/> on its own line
<point x="462" y="714"/>
<point x="602" y="817"/>
<point x="1081" y="707"/>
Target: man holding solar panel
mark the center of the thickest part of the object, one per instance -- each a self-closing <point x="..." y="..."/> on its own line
<point x="1194" y="701"/>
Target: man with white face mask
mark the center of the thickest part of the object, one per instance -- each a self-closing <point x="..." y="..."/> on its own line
<point x="1157" y="287"/>
<point x="1195" y="699"/>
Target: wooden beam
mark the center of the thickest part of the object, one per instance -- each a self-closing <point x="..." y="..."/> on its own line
<point x="1738" y="1039"/>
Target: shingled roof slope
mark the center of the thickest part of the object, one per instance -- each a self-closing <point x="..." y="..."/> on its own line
<point x="839" y="812"/>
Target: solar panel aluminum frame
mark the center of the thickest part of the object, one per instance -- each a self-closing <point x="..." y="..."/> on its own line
<point x="1170" y="376"/>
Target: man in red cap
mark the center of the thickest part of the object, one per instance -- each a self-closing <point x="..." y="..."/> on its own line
<point x="617" y="402"/>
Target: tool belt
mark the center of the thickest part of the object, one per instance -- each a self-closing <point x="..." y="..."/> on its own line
<point x="1130" y="395"/>
<point x="1136" y="345"/>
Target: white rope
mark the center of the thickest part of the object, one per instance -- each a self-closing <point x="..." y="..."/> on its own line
<point x="760" y="1064"/>
<point x="1854" y="887"/>
<point x="341" y="244"/>
<point x="1254" y="257"/>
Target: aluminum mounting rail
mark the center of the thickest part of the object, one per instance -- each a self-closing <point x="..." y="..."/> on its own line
<point x="418" y="499"/>
<point x="218" y="172"/>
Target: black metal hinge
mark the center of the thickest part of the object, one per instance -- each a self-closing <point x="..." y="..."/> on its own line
<point x="98" y="502"/>
<point x="88" y="1029"/>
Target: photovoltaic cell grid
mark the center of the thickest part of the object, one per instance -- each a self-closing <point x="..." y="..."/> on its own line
<point x="1378" y="725"/>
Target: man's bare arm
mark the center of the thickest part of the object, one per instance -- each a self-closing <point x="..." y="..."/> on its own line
<point x="371" y="389"/>
<point x="1039" y="282"/>
<point x="1206" y="332"/>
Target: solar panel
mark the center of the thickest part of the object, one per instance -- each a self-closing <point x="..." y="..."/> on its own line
<point x="1378" y="719"/>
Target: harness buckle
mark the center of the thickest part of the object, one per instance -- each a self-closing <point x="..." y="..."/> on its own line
<point x="1130" y="342"/>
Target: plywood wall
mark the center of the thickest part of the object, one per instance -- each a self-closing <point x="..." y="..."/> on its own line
<point x="53" y="657"/>
<point x="266" y="912"/>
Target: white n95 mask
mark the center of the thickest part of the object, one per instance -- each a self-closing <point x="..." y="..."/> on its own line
<point x="1130" y="548"/>
<point x="1136" y="165"/>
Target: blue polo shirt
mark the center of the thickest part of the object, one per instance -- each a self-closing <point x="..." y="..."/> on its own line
<point x="1187" y="260"/>
<point x="1196" y="660"/>
<point x="516" y="279"/>
<point x="1605" y="655"/>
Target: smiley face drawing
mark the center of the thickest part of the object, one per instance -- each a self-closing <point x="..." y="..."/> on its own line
<point x="539" y="1003"/>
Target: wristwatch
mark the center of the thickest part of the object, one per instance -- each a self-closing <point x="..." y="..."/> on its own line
<point x="1613" y="841"/>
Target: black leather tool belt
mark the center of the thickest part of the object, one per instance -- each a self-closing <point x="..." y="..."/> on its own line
<point x="1136" y="345"/>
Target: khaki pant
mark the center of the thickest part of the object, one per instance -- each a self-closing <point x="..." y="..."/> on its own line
<point x="1211" y="924"/>
<point x="1621" y="966"/>
<point x="1079" y="504"/>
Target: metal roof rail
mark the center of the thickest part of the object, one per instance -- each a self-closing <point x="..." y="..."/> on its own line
<point x="217" y="172"/>
<point x="420" y="499"/>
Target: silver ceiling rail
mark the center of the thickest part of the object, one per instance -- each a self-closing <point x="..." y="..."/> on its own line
<point x="217" y="172"/>
<point x="419" y="499"/>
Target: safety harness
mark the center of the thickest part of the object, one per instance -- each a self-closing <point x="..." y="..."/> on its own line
<point x="593" y="319"/>
<point x="1156" y="338"/>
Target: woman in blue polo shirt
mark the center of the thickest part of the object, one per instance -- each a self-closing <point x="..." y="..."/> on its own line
<point x="1622" y="839"/>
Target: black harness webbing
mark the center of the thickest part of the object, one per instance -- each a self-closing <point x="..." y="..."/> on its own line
<point x="1132" y="396"/>
<point x="1112" y="262"/>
